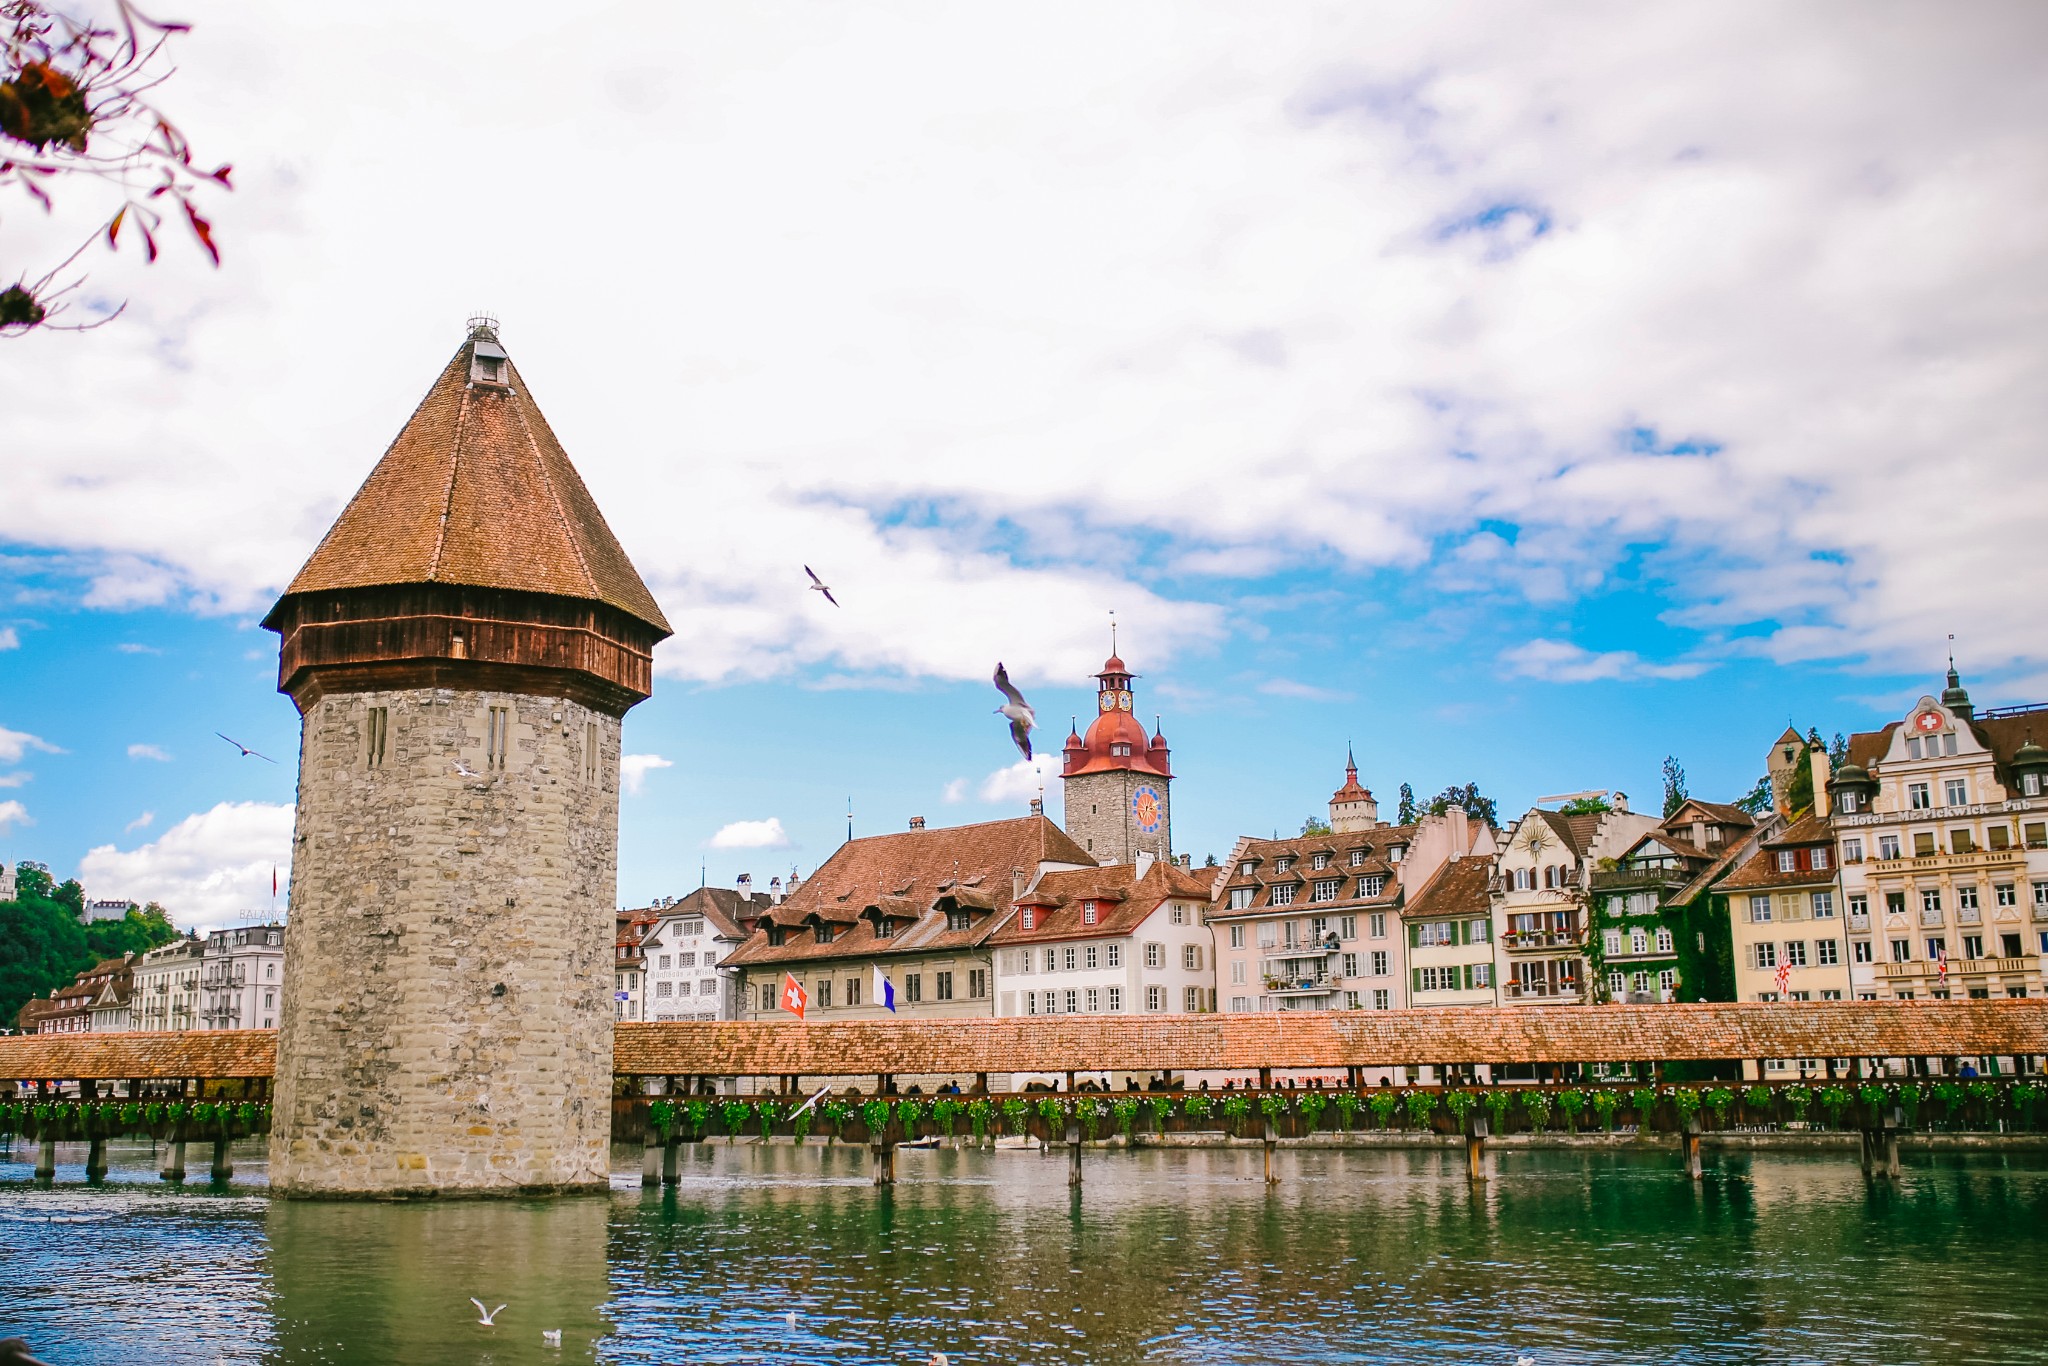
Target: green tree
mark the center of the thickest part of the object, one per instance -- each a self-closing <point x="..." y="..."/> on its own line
<point x="1315" y="825"/>
<point x="43" y="945"/>
<point x="1405" y="815"/>
<point x="1674" y="785"/>
<point x="1584" y="806"/>
<point x="1478" y="807"/>
<point x="1758" y="801"/>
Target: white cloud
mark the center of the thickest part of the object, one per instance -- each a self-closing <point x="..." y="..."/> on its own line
<point x="1021" y="781"/>
<point x="767" y="834"/>
<point x="956" y="792"/>
<point x="10" y="639"/>
<point x="15" y="743"/>
<point x="1560" y="661"/>
<point x="634" y="768"/>
<point x="1303" y="692"/>
<point x="148" y="752"/>
<point x="141" y="822"/>
<point x="129" y="647"/>
<point x="18" y="779"/>
<point x="1454" y="254"/>
<point x="205" y="870"/>
<point x="13" y="813"/>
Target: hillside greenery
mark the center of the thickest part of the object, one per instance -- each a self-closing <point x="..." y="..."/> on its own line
<point x="43" y="946"/>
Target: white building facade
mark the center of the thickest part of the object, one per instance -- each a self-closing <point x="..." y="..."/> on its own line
<point x="242" y="978"/>
<point x="166" y="992"/>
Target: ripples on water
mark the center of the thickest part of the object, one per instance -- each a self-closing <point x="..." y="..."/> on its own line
<point x="1174" y="1256"/>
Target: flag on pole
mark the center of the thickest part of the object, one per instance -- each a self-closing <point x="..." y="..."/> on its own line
<point x="1784" y="977"/>
<point x="794" y="997"/>
<point x="1941" y="964"/>
<point x="273" y="882"/>
<point x="885" y="991"/>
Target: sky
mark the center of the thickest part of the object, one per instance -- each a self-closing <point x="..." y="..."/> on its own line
<point x="1517" y="395"/>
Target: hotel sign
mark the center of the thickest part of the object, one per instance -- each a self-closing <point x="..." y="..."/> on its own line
<point x="1942" y="813"/>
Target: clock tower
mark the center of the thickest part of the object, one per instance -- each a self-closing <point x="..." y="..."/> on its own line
<point x="1116" y="780"/>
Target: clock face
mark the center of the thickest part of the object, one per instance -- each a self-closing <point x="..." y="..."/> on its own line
<point x="1123" y="701"/>
<point x="1108" y="702"/>
<point x="1927" y="720"/>
<point x="1145" y="809"/>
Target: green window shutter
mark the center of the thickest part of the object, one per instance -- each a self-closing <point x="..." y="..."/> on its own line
<point x="1415" y="979"/>
<point x="1467" y="976"/>
<point x="1415" y="936"/>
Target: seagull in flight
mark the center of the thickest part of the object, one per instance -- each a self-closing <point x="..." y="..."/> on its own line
<point x="818" y="586"/>
<point x="465" y="770"/>
<point x="246" y="751"/>
<point x="1022" y="718"/>
<point x="488" y="1314"/>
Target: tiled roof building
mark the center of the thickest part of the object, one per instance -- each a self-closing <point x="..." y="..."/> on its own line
<point x="1785" y="905"/>
<point x="1125" y="939"/>
<point x="920" y="903"/>
<point x="1541" y="894"/>
<point x="687" y="944"/>
<point x="1657" y="931"/>
<point x="1941" y="827"/>
<point x="1117" y="780"/>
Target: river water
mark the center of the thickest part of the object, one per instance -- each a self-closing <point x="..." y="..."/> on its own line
<point x="1180" y="1256"/>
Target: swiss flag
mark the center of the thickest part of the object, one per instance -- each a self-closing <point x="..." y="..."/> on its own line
<point x="794" y="997"/>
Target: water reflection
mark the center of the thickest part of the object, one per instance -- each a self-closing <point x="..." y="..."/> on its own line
<point x="1165" y="1256"/>
<point x="392" y="1283"/>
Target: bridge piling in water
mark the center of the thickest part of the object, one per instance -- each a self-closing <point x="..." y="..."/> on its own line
<point x="222" y="1167"/>
<point x="1475" y="1149"/>
<point x="882" y="1160"/>
<point x="46" y="1157"/>
<point x="174" y="1160"/>
<point x="671" y="1162"/>
<point x="1074" y="1153"/>
<point x="96" y="1159"/>
<point x="1689" y="1144"/>
<point x="1272" y="1140"/>
<point x="650" y="1160"/>
<point x="1880" y="1147"/>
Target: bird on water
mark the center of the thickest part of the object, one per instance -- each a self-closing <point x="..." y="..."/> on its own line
<point x="487" y="1314"/>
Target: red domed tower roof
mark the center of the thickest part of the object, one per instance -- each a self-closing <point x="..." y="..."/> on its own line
<point x="1117" y="739"/>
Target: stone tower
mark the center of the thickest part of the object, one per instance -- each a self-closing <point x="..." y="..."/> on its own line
<point x="1351" y="806"/>
<point x="462" y="647"/>
<point x="1116" y="780"/>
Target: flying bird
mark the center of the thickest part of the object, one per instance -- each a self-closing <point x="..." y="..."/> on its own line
<point x="246" y="751"/>
<point x="464" y="769"/>
<point x="1022" y="718"/>
<point x="818" y="586"/>
<point x="488" y="1314"/>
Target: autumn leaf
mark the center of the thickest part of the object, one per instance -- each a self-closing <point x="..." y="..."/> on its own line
<point x="114" y="228"/>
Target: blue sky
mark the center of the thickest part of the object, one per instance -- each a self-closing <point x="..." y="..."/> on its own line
<point x="1519" y="397"/>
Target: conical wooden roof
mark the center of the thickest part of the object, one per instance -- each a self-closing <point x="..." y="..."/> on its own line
<point x="477" y="491"/>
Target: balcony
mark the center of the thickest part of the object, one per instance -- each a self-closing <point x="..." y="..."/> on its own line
<point x="1969" y="915"/>
<point x="1930" y="920"/>
<point x="1638" y="878"/>
<point x="1957" y="967"/>
<point x="1977" y="860"/>
<point x="1565" y="991"/>
<point x="1541" y="939"/>
<point x="1859" y="924"/>
<point x="1302" y="987"/>
<point x="1295" y="962"/>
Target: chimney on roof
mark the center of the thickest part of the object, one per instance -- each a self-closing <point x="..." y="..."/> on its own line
<point x="1185" y="860"/>
<point x="1038" y="806"/>
<point x="745" y="883"/>
<point x="917" y="822"/>
<point x="1621" y="802"/>
<point x="775" y="891"/>
<point x="1016" y="883"/>
<point x="1460" y="831"/>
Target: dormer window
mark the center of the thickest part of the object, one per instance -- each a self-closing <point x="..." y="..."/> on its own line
<point x="1281" y="865"/>
<point x="1120" y="750"/>
<point x="957" y="920"/>
<point x="1358" y="858"/>
<point x="885" y="928"/>
<point x="823" y="933"/>
<point x="1321" y="860"/>
<point x="488" y="364"/>
<point x="1028" y="918"/>
<point x="1394" y="854"/>
<point x="1087" y="913"/>
<point x="775" y="935"/>
<point x="1244" y="869"/>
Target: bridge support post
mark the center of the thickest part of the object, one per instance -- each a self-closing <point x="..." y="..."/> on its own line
<point x="174" y="1160"/>
<point x="1074" y="1153"/>
<point x="46" y="1156"/>
<point x="671" y="1162"/>
<point x="223" y="1167"/>
<point x="1689" y="1143"/>
<point x="1272" y="1139"/>
<point x="1881" y="1147"/>
<point x="1475" y="1149"/>
<point x="96" y="1159"/>
<point x="882" y="1159"/>
<point x="650" y="1160"/>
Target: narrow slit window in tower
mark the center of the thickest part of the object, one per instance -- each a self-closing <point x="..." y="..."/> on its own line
<point x="497" y="734"/>
<point x="380" y="719"/>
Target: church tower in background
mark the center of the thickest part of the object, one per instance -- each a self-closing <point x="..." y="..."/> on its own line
<point x="1116" y="780"/>
<point x="462" y="647"/>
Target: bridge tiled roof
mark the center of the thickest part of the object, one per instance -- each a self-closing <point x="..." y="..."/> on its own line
<point x="157" y="1056"/>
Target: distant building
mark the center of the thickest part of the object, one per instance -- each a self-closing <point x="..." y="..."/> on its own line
<point x="687" y="942"/>
<point x="242" y="977"/>
<point x="165" y="994"/>
<point x="1941" y="826"/>
<point x="104" y="910"/>
<point x="103" y="986"/>
<point x="1314" y="922"/>
<point x="920" y="905"/>
<point x="1658" y="931"/>
<point x="1788" y="930"/>
<point x="1544" y="879"/>
<point x="1117" y="781"/>
<point x="1127" y="939"/>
